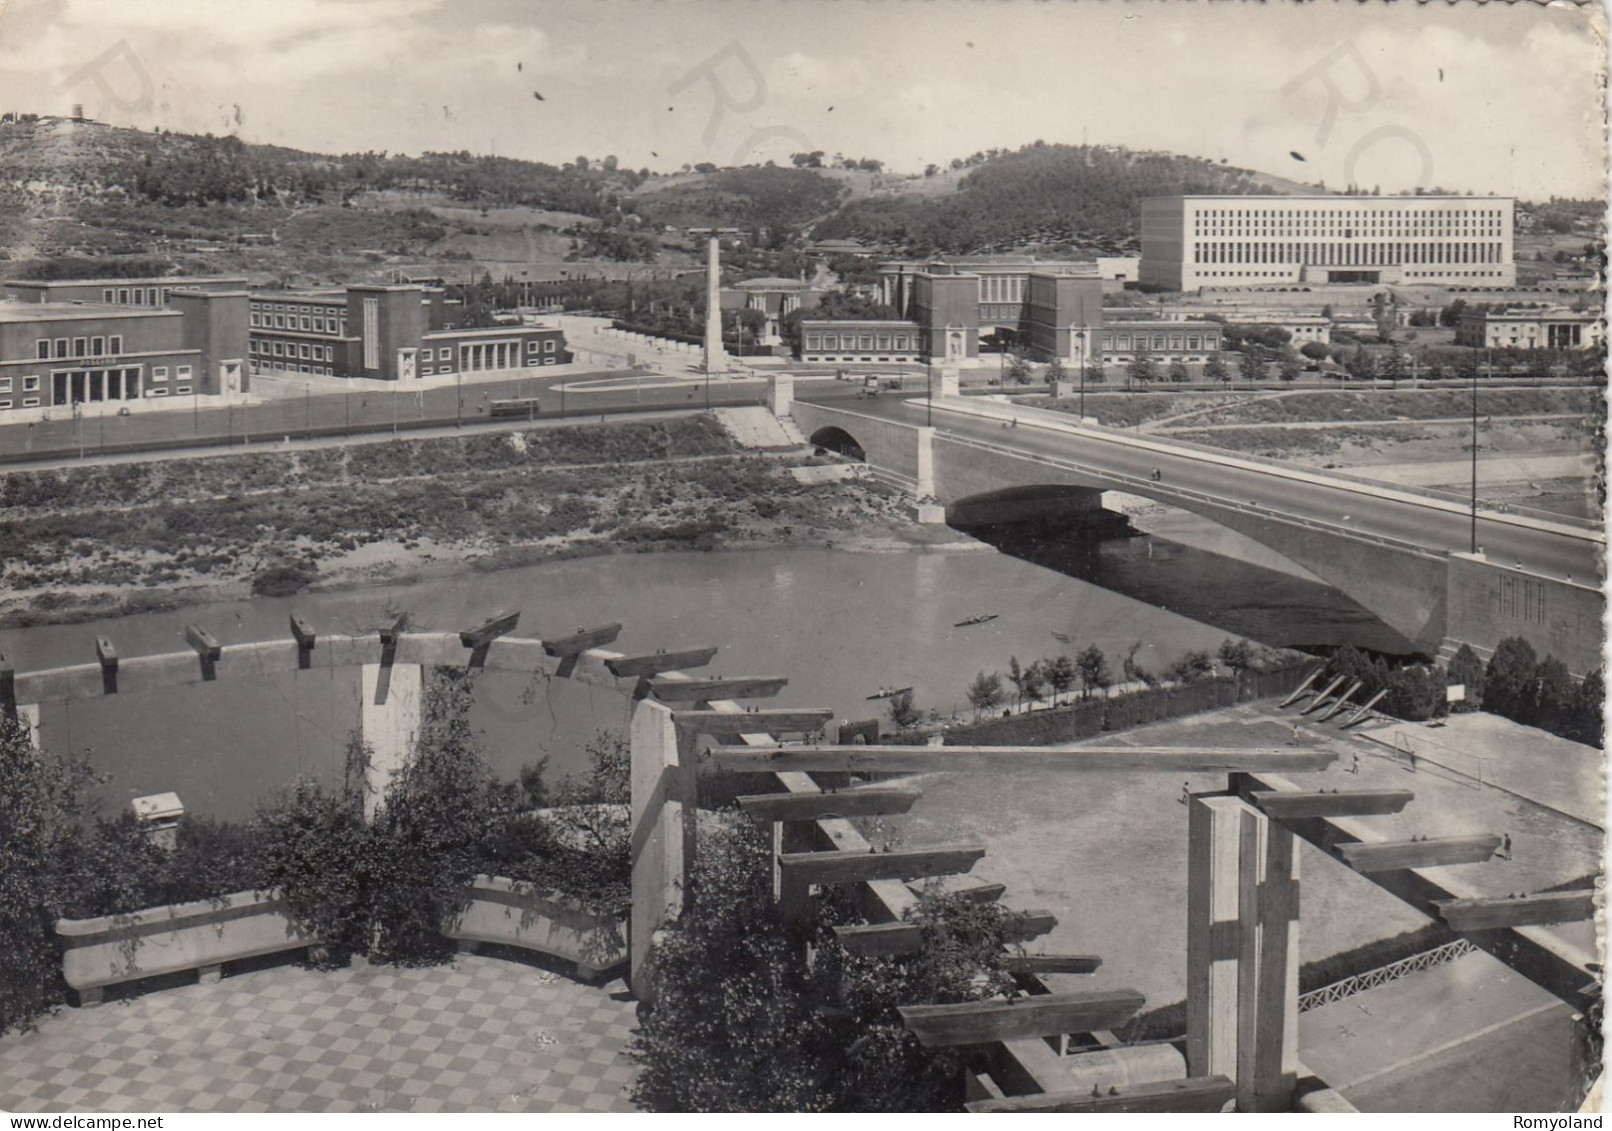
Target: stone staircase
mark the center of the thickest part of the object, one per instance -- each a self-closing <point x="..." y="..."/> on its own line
<point x="756" y="427"/>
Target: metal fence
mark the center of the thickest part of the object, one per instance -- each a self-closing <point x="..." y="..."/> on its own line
<point x="1383" y="975"/>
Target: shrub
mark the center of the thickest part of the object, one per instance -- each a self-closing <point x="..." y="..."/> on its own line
<point x="315" y="852"/>
<point x="283" y="580"/>
<point x="580" y="845"/>
<point x="747" y="1017"/>
<point x="427" y="838"/>
<point x="40" y="828"/>
<point x="1467" y="670"/>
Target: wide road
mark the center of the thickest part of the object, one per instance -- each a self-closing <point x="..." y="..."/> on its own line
<point x="1556" y="550"/>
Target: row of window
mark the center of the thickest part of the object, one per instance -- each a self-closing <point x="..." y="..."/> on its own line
<point x="289" y="367"/>
<point x="275" y="348"/>
<point x="314" y="323"/>
<point x="1002" y="288"/>
<point x="159" y="373"/>
<point x="1302" y="210"/>
<point x="861" y="341"/>
<point x="30" y="384"/>
<point x="80" y="347"/>
<point x="1192" y="342"/>
<point x="1345" y="254"/>
<point x="135" y="296"/>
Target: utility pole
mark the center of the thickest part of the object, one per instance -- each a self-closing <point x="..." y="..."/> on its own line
<point x="1474" y="540"/>
<point x="929" y="386"/>
<point x="459" y="398"/>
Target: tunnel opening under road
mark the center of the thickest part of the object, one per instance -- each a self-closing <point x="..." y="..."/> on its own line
<point x="1175" y="560"/>
<point x="840" y="441"/>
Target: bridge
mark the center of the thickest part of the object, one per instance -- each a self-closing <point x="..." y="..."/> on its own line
<point x="1406" y="557"/>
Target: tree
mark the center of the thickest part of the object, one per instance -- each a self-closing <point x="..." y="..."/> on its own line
<point x="902" y="711"/>
<point x="984" y="692"/>
<point x="1362" y="366"/>
<point x="1508" y="681"/>
<point x="1092" y="373"/>
<point x="1553" y="695"/>
<point x="1134" y="671"/>
<point x="1252" y="364"/>
<point x="1094" y="673"/>
<point x="1415" y="692"/>
<point x="1177" y="372"/>
<point x="1061" y="674"/>
<point x="1016" y="677"/>
<point x="1451" y="314"/>
<point x="1215" y="368"/>
<point x="1055" y="372"/>
<point x="1035" y="681"/>
<point x="1586" y="709"/>
<point x="1142" y="368"/>
<point x="1190" y="667"/>
<point x="1237" y="655"/>
<point x="1315" y="351"/>
<point x="1466" y="670"/>
<point x="1290" y="366"/>
<point x="1017" y="369"/>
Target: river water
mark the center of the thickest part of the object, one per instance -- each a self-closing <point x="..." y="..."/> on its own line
<point x="839" y="624"/>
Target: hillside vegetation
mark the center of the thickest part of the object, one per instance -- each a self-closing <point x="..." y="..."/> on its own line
<point x="1056" y="196"/>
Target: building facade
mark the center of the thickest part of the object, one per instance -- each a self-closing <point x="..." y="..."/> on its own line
<point x="1301" y="327"/>
<point x="1190" y="242"/>
<point x="1531" y="329"/>
<point x="1165" y="341"/>
<point x="774" y="298"/>
<point x="149" y="293"/>
<point x="1002" y="283"/>
<point x="66" y="355"/>
<point x="397" y="332"/>
<point x="861" y="340"/>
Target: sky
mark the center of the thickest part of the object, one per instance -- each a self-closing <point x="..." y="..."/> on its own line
<point x="1497" y="98"/>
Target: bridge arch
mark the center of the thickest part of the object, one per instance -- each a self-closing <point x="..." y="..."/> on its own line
<point x="835" y="439"/>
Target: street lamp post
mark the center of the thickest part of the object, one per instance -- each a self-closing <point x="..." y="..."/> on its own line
<point x="459" y="398"/>
<point x="929" y="388"/>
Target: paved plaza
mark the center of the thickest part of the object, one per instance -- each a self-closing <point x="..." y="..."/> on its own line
<point x="482" y="1034"/>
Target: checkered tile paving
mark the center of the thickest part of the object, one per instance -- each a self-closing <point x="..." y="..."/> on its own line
<point x="479" y="1035"/>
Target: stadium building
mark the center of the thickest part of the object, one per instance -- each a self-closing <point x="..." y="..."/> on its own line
<point x="394" y="332"/>
<point x="1191" y="242"/>
<point x="56" y="355"/>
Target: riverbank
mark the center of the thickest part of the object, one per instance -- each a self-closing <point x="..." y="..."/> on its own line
<point x="89" y="543"/>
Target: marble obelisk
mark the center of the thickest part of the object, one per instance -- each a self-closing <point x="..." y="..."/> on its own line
<point x="716" y="358"/>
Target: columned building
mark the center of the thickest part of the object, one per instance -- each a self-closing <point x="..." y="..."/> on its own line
<point x="1191" y="242"/>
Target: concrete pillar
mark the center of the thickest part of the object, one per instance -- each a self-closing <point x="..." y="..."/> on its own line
<point x="781" y="394"/>
<point x="950" y="382"/>
<point x="389" y="723"/>
<point x="1268" y="966"/>
<point x="1214" y="826"/>
<point x="926" y="464"/>
<point x="664" y="797"/>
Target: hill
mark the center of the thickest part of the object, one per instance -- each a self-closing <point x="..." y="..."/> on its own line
<point x="1072" y="198"/>
<point x="126" y="201"/>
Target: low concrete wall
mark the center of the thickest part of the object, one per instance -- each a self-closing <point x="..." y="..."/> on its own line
<point x="1489" y="601"/>
<point x="166" y="940"/>
<point x="890" y="445"/>
<point x="507" y="913"/>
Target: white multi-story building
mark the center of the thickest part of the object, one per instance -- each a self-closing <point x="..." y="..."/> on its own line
<point x="1191" y="242"/>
